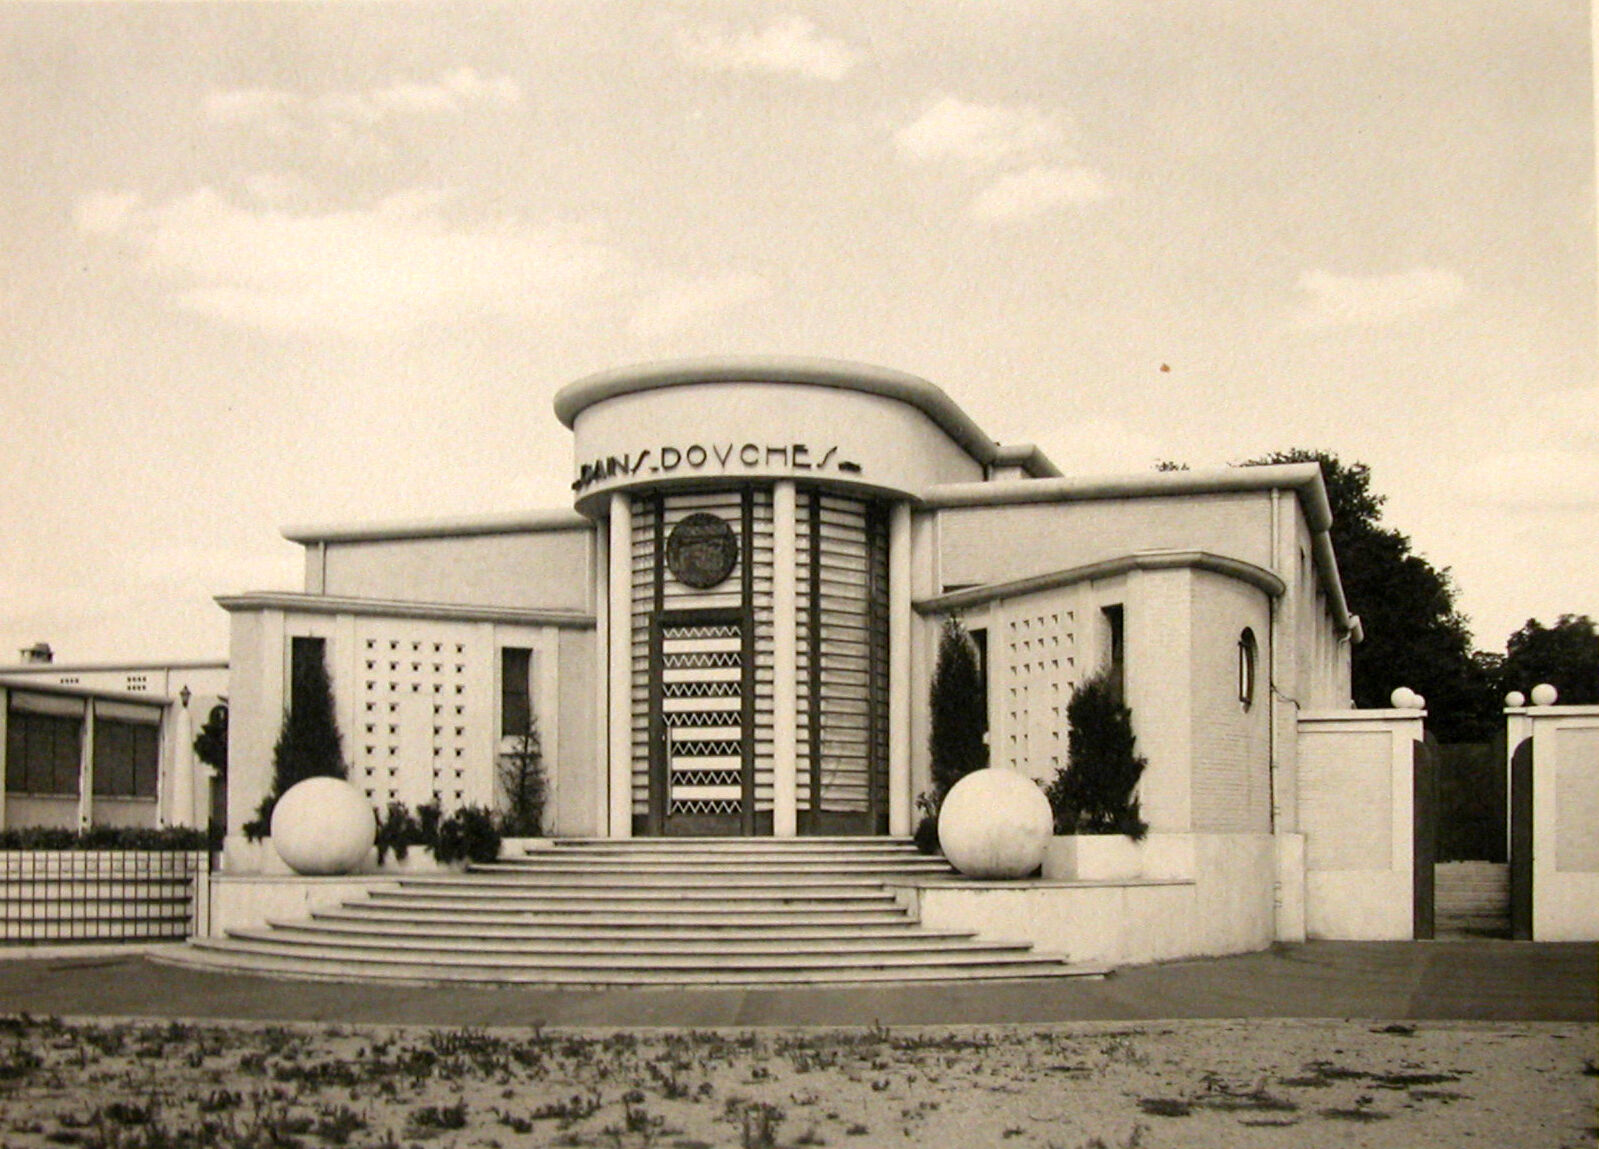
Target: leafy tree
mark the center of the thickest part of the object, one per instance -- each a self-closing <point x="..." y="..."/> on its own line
<point x="1414" y="634"/>
<point x="1565" y="655"/>
<point x="211" y="743"/>
<point x="1093" y="792"/>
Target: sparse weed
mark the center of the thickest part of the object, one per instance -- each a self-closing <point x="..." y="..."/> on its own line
<point x="577" y="1108"/>
<point x="434" y="1119"/>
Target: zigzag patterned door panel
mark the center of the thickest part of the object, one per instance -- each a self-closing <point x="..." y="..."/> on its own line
<point x="703" y="782"/>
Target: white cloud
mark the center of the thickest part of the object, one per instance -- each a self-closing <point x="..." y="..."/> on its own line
<point x="979" y="135"/>
<point x="104" y="213"/>
<point x="1539" y="478"/>
<point x="401" y="263"/>
<point x="452" y="93"/>
<point x="790" y="45"/>
<point x="1022" y="195"/>
<point x="1375" y="300"/>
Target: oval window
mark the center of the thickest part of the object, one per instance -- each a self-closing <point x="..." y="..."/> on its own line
<point x="1248" y="652"/>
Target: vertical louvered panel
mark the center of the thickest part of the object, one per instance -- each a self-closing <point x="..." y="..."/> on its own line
<point x="843" y="635"/>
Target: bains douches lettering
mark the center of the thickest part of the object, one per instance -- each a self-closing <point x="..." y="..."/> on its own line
<point x="714" y="458"/>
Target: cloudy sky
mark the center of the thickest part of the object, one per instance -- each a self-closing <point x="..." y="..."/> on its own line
<point x="283" y="264"/>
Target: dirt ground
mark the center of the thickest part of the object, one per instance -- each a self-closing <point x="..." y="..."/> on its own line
<point x="1299" y="1085"/>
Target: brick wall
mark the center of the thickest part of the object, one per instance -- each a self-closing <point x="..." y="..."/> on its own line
<point x="1231" y="783"/>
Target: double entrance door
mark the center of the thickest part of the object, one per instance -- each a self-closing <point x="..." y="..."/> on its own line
<point x="702" y="721"/>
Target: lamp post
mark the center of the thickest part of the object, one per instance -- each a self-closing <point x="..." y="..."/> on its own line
<point x="182" y="808"/>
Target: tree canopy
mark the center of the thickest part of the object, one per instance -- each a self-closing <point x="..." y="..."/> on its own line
<point x="1415" y="635"/>
<point x="1565" y="655"/>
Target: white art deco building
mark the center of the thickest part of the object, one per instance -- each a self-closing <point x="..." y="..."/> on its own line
<point x="733" y="628"/>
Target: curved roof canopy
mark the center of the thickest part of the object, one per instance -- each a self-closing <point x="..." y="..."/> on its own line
<point x="573" y="399"/>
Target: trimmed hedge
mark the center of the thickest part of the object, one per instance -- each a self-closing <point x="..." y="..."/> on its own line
<point x="108" y="838"/>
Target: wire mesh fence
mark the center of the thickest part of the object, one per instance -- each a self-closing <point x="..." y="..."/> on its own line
<point x="66" y="896"/>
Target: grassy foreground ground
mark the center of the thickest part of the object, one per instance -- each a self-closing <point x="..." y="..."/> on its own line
<point x="1273" y="1082"/>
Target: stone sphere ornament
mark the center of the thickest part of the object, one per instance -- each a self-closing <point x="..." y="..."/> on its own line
<point x="995" y="823"/>
<point x="1544" y="695"/>
<point x="1515" y="699"/>
<point x="1402" y="698"/>
<point x="323" y="826"/>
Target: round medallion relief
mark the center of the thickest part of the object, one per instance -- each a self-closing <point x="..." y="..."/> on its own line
<point x="701" y="551"/>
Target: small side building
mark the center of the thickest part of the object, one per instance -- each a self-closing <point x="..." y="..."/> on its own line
<point x="106" y="744"/>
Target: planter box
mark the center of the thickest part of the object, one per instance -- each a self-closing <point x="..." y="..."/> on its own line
<point x="1117" y="858"/>
<point x="1093" y="858"/>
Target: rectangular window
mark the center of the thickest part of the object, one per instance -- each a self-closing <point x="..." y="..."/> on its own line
<point x="979" y="636"/>
<point x="306" y="667"/>
<point x="516" y="699"/>
<point x="1116" y="650"/>
<point x="42" y="752"/>
<point x="126" y="758"/>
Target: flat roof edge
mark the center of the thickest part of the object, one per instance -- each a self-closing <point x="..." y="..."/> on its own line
<point x="394" y="608"/>
<point x="968" y="597"/>
<point x="1303" y="478"/>
<point x="25" y="668"/>
<point x="461" y="527"/>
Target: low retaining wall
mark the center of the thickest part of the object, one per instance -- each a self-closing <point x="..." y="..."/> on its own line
<point x="1207" y="894"/>
<point x="250" y="901"/>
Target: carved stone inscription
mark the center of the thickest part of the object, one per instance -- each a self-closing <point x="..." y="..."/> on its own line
<point x="701" y="551"/>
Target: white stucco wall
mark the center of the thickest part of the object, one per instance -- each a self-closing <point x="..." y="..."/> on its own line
<point x="543" y="569"/>
<point x="1231" y="752"/>
<point x="1223" y="906"/>
<point x="984" y="544"/>
<point x="1356" y="813"/>
<point x="1565" y="836"/>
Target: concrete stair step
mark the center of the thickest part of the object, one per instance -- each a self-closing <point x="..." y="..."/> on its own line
<point x="467" y="894"/>
<point x="267" y="945"/>
<point x="713" y="951"/>
<point x="731" y="881"/>
<point x="713" y="848"/>
<point x="731" y="842"/>
<point x="646" y="912"/>
<point x="709" y="870"/>
<point x="212" y="955"/>
<point x="623" y="898"/>
<point x="578" y="932"/>
<point x="578" y="914"/>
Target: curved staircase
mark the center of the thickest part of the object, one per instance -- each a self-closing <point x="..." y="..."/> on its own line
<point x="642" y="912"/>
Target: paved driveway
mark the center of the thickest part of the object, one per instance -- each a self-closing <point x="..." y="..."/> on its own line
<point x="1399" y="981"/>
